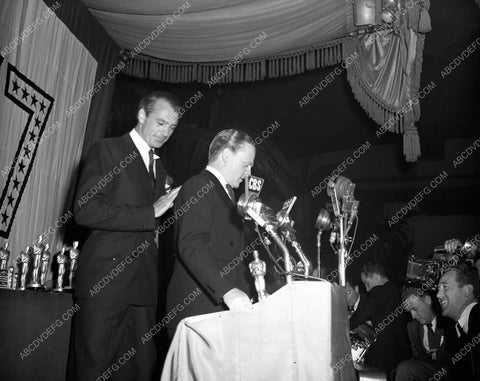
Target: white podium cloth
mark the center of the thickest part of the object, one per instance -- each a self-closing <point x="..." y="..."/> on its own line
<point x="298" y="333"/>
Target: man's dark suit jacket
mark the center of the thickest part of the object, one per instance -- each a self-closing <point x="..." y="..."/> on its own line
<point x="117" y="205"/>
<point x="464" y="362"/>
<point x="416" y="332"/>
<point x="380" y="307"/>
<point x="209" y="242"/>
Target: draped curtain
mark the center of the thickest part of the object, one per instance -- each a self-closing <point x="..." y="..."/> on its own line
<point x="206" y="37"/>
<point x="385" y="78"/>
<point x="41" y="78"/>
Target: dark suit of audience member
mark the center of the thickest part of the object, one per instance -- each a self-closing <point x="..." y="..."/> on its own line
<point x="382" y="308"/>
<point x="427" y="337"/>
<point x="458" y="291"/>
<point x="117" y="272"/>
<point x="209" y="234"/>
<point x="416" y="334"/>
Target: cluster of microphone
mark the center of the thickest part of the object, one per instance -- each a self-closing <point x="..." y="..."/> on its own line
<point x="280" y="225"/>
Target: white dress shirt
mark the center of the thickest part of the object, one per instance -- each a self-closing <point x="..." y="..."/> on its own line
<point x="219" y="176"/>
<point x="463" y="321"/>
<point x="143" y="148"/>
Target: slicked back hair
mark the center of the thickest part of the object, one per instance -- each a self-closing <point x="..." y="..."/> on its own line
<point x="148" y="102"/>
<point x="371" y="268"/>
<point x="232" y="139"/>
<point x="466" y="274"/>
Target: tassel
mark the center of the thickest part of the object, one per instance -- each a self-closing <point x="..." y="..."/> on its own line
<point x="411" y="144"/>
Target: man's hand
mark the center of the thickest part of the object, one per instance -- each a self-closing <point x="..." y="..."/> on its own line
<point x="237" y="300"/>
<point x="451" y="245"/>
<point x="165" y="202"/>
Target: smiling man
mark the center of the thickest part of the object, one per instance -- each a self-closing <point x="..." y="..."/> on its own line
<point x="120" y="193"/>
<point x="458" y="291"/>
<point x="209" y="233"/>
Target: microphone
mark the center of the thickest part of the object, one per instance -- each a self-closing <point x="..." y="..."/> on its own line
<point x="254" y="208"/>
<point x="323" y="221"/>
<point x="342" y="186"/>
<point x="353" y="215"/>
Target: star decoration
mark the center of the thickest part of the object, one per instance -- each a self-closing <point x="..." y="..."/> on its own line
<point x="21" y="166"/>
<point x="42" y="106"/>
<point x="26" y="150"/>
<point x="4" y="218"/>
<point x="25" y="94"/>
<point x="37" y="122"/>
<point x="32" y="135"/>
<point x="15" y="86"/>
<point x="33" y="101"/>
<point x="10" y="200"/>
<point x="16" y="183"/>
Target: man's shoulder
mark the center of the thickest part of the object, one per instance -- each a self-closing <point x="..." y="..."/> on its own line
<point x="413" y="325"/>
<point x="109" y="143"/>
<point x="203" y="178"/>
<point x="474" y="318"/>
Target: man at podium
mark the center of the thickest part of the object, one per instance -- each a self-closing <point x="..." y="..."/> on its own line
<point x="209" y="234"/>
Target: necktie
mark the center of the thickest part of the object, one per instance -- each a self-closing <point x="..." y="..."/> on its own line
<point x="231" y="193"/>
<point x="433" y="340"/>
<point x="151" y="163"/>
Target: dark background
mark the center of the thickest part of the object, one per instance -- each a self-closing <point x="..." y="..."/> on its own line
<point x="312" y="141"/>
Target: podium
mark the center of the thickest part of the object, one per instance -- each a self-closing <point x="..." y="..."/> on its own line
<point x="298" y="333"/>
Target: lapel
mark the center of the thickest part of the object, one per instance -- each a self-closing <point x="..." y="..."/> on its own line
<point x="137" y="171"/>
<point x="219" y="189"/>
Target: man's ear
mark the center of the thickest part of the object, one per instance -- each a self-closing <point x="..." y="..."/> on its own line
<point x="427" y="299"/>
<point x="357" y="290"/>
<point x="141" y="115"/>
<point x="467" y="289"/>
<point x="226" y="153"/>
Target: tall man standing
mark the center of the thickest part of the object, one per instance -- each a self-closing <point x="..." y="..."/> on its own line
<point x="209" y="233"/>
<point x="120" y="193"/>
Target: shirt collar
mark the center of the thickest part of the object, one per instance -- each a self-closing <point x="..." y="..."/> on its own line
<point x="355" y="306"/>
<point x="142" y="146"/>
<point x="434" y="324"/>
<point x="218" y="175"/>
<point x="220" y="178"/>
<point x="463" y="321"/>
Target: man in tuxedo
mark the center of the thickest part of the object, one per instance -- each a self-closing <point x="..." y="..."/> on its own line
<point x="427" y="338"/>
<point x="382" y="308"/>
<point x="209" y="234"/>
<point x="458" y="291"/>
<point x="120" y="194"/>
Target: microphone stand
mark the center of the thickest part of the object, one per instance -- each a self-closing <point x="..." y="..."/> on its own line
<point x="319" y="243"/>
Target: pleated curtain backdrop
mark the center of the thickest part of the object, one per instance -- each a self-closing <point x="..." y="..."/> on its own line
<point x="44" y="73"/>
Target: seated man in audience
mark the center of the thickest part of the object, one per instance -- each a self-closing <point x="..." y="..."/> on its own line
<point x="354" y="297"/>
<point x="427" y="339"/>
<point x="458" y="291"/>
<point x="383" y="308"/>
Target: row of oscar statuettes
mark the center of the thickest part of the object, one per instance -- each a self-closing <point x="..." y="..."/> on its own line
<point x="32" y="266"/>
